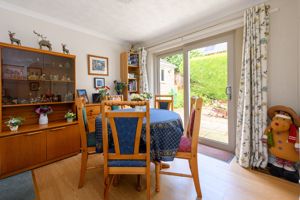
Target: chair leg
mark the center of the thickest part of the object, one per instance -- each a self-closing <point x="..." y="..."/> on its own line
<point x="106" y="186"/>
<point x="157" y="176"/>
<point x="138" y="183"/>
<point x="194" y="169"/>
<point x="148" y="184"/>
<point x="84" y="158"/>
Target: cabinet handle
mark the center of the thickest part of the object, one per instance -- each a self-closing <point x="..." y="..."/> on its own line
<point x="57" y="129"/>
<point x="33" y="133"/>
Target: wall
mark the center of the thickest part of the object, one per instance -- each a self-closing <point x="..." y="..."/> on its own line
<point x="284" y="84"/>
<point x="80" y="44"/>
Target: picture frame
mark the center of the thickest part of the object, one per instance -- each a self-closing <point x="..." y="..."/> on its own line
<point x="83" y="93"/>
<point x="99" y="82"/>
<point x="96" y="97"/>
<point x="97" y="65"/>
<point x="34" y="86"/>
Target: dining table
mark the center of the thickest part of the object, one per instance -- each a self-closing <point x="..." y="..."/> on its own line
<point x="166" y="129"/>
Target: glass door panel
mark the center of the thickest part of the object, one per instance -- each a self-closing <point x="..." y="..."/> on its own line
<point x="209" y="79"/>
<point x="171" y="80"/>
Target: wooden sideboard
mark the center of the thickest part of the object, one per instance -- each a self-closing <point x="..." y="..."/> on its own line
<point x="92" y="111"/>
<point x="31" y="78"/>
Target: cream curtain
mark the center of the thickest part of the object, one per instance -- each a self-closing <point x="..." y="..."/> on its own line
<point x="143" y="76"/>
<point x="252" y="102"/>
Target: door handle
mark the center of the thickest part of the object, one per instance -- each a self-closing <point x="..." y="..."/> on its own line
<point x="228" y="92"/>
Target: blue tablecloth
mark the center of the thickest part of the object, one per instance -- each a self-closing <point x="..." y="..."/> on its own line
<point x="165" y="128"/>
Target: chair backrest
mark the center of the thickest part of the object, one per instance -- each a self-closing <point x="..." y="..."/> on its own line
<point x="165" y="102"/>
<point x="192" y="129"/>
<point x="126" y="128"/>
<point x="82" y="120"/>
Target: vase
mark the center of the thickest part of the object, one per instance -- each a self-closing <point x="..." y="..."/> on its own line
<point x="69" y="120"/>
<point x="43" y="119"/>
<point x="13" y="128"/>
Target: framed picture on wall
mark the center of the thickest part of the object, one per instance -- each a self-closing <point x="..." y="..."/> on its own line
<point x="34" y="86"/>
<point x="97" y="65"/>
<point x="99" y="82"/>
<point x="83" y="93"/>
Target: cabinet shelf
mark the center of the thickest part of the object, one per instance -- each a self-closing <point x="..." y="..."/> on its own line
<point x="36" y="104"/>
<point x="38" y="80"/>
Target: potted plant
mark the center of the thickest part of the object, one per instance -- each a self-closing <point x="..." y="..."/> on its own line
<point x="70" y="116"/>
<point x="14" y="122"/>
<point x="119" y="87"/>
<point x="103" y="91"/>
<point x="43" y="111"/>
<point x="140" y="97"/>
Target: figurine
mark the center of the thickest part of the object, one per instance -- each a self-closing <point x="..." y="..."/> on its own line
<point x="43" y="41"/>
<point x="12" y="39"/>
<point x="65" y="50"/>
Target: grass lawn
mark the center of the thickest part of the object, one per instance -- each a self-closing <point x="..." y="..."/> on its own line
<point x="208" y="78"/>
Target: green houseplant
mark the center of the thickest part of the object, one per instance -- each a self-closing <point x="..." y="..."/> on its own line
<point x="70" y="116"/>
<point x="14" y="122"/>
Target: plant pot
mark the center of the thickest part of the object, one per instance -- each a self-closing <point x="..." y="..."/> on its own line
<point x="69" y="120"/>
<point x="13" y="128"/>
<point x="43" y="119"/>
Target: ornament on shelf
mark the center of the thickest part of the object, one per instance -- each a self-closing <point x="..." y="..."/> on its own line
<point x="43" y="41"/>
<point x="13" y="39"/>
<point x="64" y="48"/>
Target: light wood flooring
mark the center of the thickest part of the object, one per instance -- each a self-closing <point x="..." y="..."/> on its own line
<point x="219" y="181"/>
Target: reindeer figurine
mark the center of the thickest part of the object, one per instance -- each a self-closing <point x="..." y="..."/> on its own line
<point x="43" y="41"/>
<point x="12" y="39"/>
<point x="65" y="50"/>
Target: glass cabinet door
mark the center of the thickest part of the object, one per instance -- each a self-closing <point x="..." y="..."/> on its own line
<point x="29" y="78"/>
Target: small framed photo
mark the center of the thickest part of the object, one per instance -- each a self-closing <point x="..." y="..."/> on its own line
<point x="99" y="82"/>
<point x="34" y="86"/>
<point x="97" y="65"/>
<point x="83" y="93"/>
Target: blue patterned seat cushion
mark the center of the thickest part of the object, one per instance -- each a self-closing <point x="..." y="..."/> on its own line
<point x="163" y="105"/>
<point x="91" y="139"/>
<point x="116" y="107"/>
<point x="127" y="163"/>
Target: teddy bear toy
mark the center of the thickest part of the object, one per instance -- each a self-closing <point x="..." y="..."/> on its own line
<point x="282" y="138"/>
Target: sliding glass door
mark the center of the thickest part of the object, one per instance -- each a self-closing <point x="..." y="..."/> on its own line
<point x="211" y="77"/>
<point x="203" y="69"/>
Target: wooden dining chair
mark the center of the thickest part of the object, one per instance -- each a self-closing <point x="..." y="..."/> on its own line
<point x="125" y="155"/>
<point x="88" y="139"/>
<point x="164" y="102"/>
<point x="188" y="147"/>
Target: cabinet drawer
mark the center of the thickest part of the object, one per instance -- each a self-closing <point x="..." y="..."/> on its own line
<point x="93" y="110"/>
<point x="22" y="151"/>
<point x="62" y="141"/>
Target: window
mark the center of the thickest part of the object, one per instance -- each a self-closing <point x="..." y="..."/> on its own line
<point x="162" y="75"/>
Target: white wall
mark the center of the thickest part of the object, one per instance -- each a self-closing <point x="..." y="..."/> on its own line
<point x="80" y="44"/>
<point x="284" y="84"/>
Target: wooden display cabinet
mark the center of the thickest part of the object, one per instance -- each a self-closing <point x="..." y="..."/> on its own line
<point x="30" y="78"/>
<point x="130" y="73"/>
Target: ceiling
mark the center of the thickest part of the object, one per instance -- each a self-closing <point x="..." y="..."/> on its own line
<point x="128" y="20"/>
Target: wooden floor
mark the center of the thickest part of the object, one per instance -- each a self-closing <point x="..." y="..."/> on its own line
<point x="219" y="180"/>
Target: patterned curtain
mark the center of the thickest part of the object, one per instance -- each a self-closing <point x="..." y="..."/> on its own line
<point x="143" y="76"/>
<point x="252" y="102"/>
